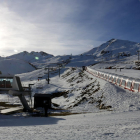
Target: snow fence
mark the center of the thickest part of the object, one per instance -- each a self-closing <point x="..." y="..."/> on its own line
<point x="125" y="83"/>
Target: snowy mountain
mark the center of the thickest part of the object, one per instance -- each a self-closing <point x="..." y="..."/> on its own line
<point x="111" y="51"/>
<point x="22" y="62"/>
<point x="115" y="47"/>
<point x="32" y="56"/>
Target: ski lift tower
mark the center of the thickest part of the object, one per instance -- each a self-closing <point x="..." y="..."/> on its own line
<point x="47" y="79"/>
<point x="48" y="68"/>
<point x="138" y="54"/>
<point x="137" y="63"/>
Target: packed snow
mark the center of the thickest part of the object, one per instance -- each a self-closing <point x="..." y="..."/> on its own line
<point x="92" y="126"/>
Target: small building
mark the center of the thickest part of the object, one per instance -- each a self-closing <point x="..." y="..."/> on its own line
<point x="41" y="100"/>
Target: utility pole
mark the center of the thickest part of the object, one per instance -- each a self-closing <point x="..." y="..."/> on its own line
<point x="138" y="55"/>
<point x="48" y="75"/>
<point x="59" y="71"/>
<point x="111" y="54"/>
<point x="118" y="56"/>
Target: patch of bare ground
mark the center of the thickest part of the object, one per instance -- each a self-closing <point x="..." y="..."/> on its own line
<point x="62" y="114"/>
<point x="101" y="105"/>
<point x="5" y="104"/>
<point x="68" y="73"/>
<point x="58" y="94"/>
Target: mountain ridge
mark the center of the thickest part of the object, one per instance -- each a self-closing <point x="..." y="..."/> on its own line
<point x="115" y="46"/>
<point x="112" y="50"/>
<point x="31" y="57"/>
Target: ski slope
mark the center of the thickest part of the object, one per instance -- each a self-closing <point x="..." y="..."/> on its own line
<point x="15" y="66"/>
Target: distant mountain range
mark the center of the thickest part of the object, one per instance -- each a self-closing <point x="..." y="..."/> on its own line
<point x="109" y="51"/>
<point x="112" y="49"/>
<point x="32" y="56"/>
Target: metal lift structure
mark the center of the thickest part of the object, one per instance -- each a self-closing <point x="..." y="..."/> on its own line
<point x="11" y="84"/>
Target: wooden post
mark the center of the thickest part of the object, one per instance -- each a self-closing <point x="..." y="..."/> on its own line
<point x="31" y="93"/>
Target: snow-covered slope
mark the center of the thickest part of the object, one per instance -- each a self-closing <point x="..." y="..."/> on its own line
<point x="15" y="66"/>
<point x="113" y="47"/>
<point x="113" y="50"/>
<point x="67" y="60"/>
<point x="23" y="62"/>
<point x="81" y="60"/>
<point x="53" y="61"/>
<point x="79" y="91"/>
<point x="32" y="56"/>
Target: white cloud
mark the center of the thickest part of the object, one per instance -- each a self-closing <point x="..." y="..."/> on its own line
<point x="43" y="28"/>
<point x="18" y="34"/>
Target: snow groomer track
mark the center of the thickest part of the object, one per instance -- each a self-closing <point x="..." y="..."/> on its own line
<point x="125" y="83"/>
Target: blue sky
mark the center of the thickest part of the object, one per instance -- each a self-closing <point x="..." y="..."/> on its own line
<point x="66" y="26"/>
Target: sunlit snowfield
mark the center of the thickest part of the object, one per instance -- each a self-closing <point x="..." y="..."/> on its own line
<point x="102" y="125"/>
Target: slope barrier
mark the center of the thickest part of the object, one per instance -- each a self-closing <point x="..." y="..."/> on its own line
<point x="127" y="84"/>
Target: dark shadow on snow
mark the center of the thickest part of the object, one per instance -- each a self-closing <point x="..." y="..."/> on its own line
<point x="27" y="121"/>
